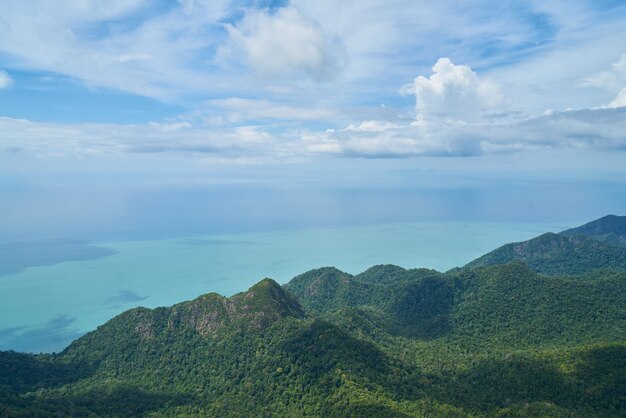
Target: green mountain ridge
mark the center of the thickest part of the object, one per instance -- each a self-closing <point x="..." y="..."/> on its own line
<point x="600" y="244"/>
<point x="496" y="338"/>
<point x="210" y="315"/>
<point x="610" y="228"/>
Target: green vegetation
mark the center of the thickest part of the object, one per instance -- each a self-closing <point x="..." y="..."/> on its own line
<point x="491" y="339"/>
<point x="558" y="254"/>
<point x="600" y="244"/>
<point x="611" y="229"/>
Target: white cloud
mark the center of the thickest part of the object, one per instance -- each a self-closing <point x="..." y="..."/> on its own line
<point x="552" y="77"/>
<point x="454" y="92"/>
<point x="119" y="44"/>
<point x="170" y="127"/>
<point x="612" y="80"/>
<point x="619" y="101"/>
<point x="93" y="139"/>
<point x="5" y="80"/>
<point x="285" y="44"/>
<point x="239" y="109"/>
<point x="600" y="129"/>
<point x="371" y="126"/>
<point x="366" y="48"/>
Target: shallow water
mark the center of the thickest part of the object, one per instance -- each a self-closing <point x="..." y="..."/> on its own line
<point x="44" y="307"/>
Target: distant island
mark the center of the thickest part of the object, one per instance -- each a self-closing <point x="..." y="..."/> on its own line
<point x="531" y="329"/>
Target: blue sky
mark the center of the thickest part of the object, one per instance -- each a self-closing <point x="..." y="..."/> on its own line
<point x="311" y="93"/>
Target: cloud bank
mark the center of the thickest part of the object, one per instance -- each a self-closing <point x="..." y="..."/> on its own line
<point x="599" y="129"/>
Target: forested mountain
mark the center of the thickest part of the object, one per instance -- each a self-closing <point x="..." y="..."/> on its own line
<point x="595" y="245"/>
<point x="610" y="228"/>
<point x="497" y="340"/>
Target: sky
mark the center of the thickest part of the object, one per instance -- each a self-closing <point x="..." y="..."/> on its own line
<point x="131" y="111"/>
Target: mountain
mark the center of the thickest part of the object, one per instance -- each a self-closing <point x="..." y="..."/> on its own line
<point x="511" y="305"/>
<point x="596" y="245"/>
<point x="611" y="229"/>
<point x="497" y="340"/>
<point x="327" y="289"/>
<point x="507" y="304"/>
<point x="209" y="316"/>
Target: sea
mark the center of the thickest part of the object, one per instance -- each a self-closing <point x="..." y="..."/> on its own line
<point x="55" y="290"/>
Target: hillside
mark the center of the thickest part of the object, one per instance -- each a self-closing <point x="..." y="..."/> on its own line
<point x="559" y="254"/>
<point x="508" y="304"/>
<point x="497" y="340"/>
<point x="611" y="229"/>
<point x="600" y="244"/>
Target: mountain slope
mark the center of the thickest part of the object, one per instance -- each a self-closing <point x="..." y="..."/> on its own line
<point x="558" y="254"/>
<point x="600" y="244"/>
<point x="610" y="228"/>
<point x="507" y="305"/>
<point x="511" y="305"/>
<point x="209" y="316"/>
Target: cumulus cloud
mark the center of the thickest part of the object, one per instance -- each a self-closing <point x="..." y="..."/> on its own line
<point x="284" y="43"/>
<point x="453" y="92"/>
<point x="5" y="80"/>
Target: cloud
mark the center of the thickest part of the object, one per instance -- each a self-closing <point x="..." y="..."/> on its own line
<point x="284" y="43"/>
<point x="5" y="80"/>
<point x="189" y="51"/>
<point x="599" y="129"/>
<point x="453" y="92"/>
<point x="239" y="109"/>
<point x="619" y="101"/>
<point x="58" y="140"/>
<point x="371" y="126"/>
<point x="459" y="113"/>
<point x="612" y="80"/>
<point x="123" y="44"/>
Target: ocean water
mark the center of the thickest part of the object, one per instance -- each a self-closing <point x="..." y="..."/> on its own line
<point x="54" y="297"/>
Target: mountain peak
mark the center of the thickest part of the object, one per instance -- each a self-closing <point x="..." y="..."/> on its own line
<point x="266" y="301"/>
<point x="258" y="307"/>
<point x="382" y="273"/>
<point x="209" y="315"/>
<point x="565" y="253"/>
<point x="609" y="228"/>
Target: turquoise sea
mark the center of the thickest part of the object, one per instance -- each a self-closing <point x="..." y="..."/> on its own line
<point x="53" y="292"/>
